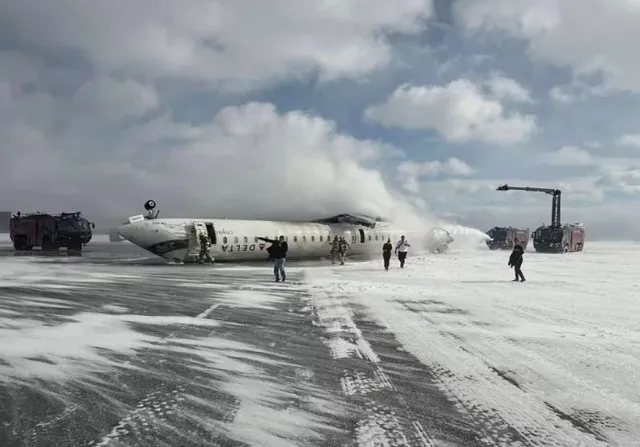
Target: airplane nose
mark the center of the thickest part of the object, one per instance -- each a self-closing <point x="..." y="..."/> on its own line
<point x="131" y="232"/>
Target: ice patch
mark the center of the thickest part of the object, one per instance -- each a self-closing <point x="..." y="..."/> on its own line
<point x="246" y="297"/>
<point x="202" y="285"/>
<point x="115" y="308"/>
<point x="16" y="272"/>
<point x="67" y="351"/>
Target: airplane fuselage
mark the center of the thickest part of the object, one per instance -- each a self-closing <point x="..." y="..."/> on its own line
<point x="238" y="240"/>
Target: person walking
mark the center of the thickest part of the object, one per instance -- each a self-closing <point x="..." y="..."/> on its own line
<point x="278" y="253"/>
<point x="386" y="253"/>
<point x="515" y="261"/>
<point x="402" y="248"/>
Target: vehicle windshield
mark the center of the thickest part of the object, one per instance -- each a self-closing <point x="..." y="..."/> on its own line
<point x="550" y="235"/>
<point x="72" y="224"/>
<point x="498" y="234"/>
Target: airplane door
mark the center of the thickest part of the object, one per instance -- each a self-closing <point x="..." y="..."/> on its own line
<point x="201" y="229"/>
<point x="211" y="233"/>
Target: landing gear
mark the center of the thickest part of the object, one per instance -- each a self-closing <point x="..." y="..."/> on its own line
<point x="150" y="205"/>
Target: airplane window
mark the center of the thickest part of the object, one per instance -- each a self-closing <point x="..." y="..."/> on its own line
<point x="313" y="238"/>
<point x="369" y="237"/>
<point x="295" y="238"/>
<point x="224" y="240"/>
<point x="255" y="239"/>
<point x="235" y="240"/>
<point x="246" y="239"/>
<point x="320" y="238"/>
<point x="304" y="238"/>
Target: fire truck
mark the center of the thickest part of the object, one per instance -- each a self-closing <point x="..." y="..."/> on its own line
<point x="557" y="237"/>
<point x="50" y="231"/>
<point x="503" y="238"/>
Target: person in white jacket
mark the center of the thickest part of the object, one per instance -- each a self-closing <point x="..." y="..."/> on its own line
<point x="402" y="248"/>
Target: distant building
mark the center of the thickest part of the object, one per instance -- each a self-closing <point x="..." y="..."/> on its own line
<point x="4" y="221"/>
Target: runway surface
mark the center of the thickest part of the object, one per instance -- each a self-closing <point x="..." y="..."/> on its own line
<point x="116" y="348"/>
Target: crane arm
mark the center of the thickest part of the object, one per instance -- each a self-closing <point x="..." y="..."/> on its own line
<point x="555" y="204"/>
<point x="528" y="188"/>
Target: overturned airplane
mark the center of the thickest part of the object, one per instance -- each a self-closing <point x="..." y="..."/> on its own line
<point x="177" y="239"/>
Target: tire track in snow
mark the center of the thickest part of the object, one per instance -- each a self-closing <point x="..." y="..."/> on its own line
<point x="506" y="414"/>
<point x="156" y="405"/>
<point x="503" y="414"/>
<point x="381" y="426"/>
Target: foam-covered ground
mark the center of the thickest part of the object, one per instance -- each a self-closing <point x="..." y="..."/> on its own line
<point x="118" y="348"/>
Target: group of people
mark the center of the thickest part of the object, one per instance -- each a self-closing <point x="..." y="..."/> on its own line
<point x="402" y="249"/>
<point x="279" y="248"/>
<point x="339" y="247"/>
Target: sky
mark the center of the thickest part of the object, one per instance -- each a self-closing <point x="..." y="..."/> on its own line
<point x="290" y="109"/>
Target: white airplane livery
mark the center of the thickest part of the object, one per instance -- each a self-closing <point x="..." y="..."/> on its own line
<point x="178" y="239"/>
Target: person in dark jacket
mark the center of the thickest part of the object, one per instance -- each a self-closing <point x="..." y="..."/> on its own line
<point x="278" y="252"/>
<point x="386" y="253"/>
<point x="515" y="261"/>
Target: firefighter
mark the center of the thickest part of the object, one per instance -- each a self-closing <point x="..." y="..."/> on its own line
<point x="386" y="253"/>
<point x="342" y="250"/>
<point x="204" y="250"/>
<point x="402" y="248"/>
<point x="515" y="260"/>
<point x="335" y="249"/>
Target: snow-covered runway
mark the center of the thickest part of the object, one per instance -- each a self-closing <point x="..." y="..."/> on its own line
<point x="112" y="348"/>
<point x="552" y="361"/>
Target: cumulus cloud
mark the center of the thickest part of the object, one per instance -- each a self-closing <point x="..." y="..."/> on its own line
<point x="88" y="115"/>
<point x="239" y="43"/>
<point x="568" y="156"/>
<point x="459" y="111"/>
<point x="105" y="105"/>
<point x="591" y="36"/>
<point x="410" y="172"/>
<point x="249" y="159"/>
<point x="507" y="88"/>
<point x="623" y="179"/>
<point x="630" y="140"/>
<point x="473" y="192"/>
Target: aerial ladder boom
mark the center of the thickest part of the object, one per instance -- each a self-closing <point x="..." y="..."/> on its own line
<point x="555" y="204"/>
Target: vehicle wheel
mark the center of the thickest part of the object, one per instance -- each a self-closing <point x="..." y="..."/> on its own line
<point x="75" y="246"/>
<point x="48" y="245"/>
<point x="20" y="243"/>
